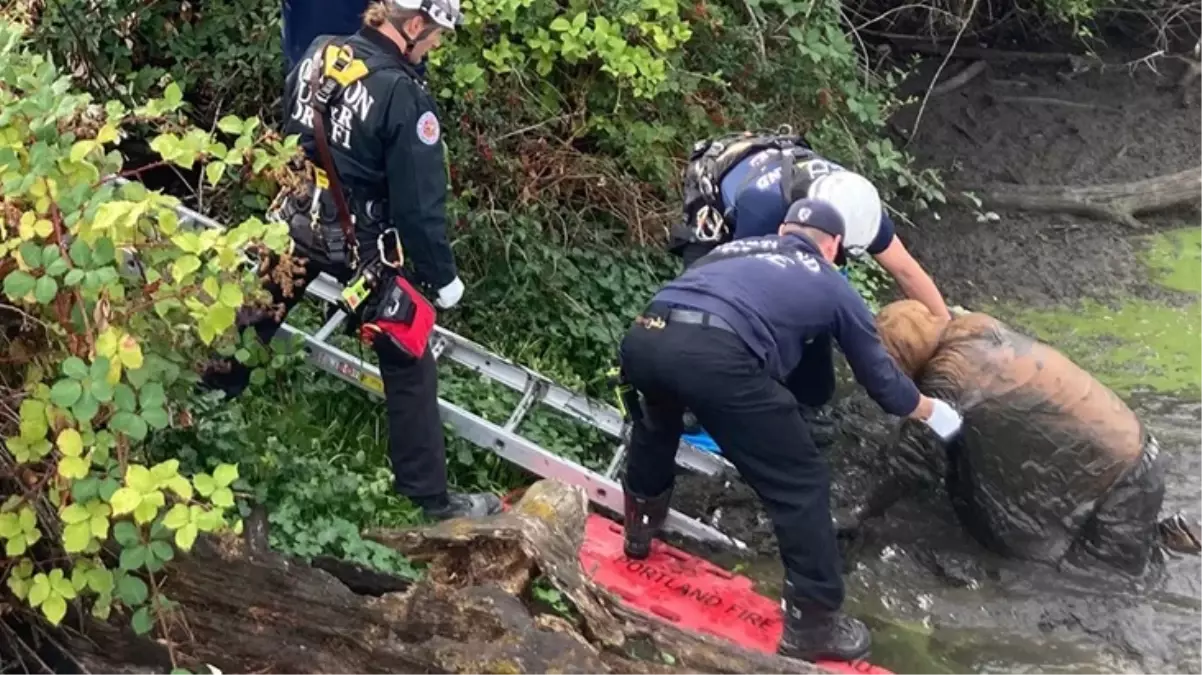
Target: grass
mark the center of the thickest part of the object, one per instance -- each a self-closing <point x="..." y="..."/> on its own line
<point x="1140" y="345"/>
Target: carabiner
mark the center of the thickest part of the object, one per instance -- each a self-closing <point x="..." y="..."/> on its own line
<point x="400" y="253"/>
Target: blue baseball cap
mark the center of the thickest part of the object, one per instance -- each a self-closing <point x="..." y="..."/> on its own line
<point x="817" y="214"/>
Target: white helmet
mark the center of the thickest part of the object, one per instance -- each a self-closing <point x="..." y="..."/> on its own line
<point x="445" y="13"/>
<point x="856" y="199"/>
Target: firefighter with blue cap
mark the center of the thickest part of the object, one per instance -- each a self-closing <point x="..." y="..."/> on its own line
<point x="741" y="184"/>
<point x="721" y="340"/>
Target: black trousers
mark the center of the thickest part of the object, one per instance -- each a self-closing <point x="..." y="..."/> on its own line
<point x="754" y="419"/>
<point x="415" y="439"/>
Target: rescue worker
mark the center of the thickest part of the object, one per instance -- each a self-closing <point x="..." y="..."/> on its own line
<point x="1051" y="466"/>
<point x="720" y="340"/>
<point x="376" y="197"/>
<point x="741" y="185"/>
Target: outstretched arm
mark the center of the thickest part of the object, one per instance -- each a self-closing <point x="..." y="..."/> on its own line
<point x="912" y="278"/>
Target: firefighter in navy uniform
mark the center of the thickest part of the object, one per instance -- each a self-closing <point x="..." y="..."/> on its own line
<point x="376" y="198"/>
<point x="720" y="340"/>
<point x="740" y="185"/>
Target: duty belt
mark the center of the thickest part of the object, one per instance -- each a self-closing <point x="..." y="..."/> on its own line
<point x="689" y="316"/>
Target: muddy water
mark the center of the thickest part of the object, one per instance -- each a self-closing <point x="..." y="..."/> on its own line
<point x="939" y="603"/>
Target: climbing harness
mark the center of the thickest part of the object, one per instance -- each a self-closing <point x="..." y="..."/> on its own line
<point x="335" y="68"/>
<point x="706" y="217"/>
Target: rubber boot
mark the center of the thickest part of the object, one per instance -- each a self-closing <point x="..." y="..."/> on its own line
<point x="476" y="505"/>
<point x="644" y="518"/>
<point x="814" y="633"/>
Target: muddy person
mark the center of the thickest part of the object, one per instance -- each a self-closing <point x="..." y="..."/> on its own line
<point x="1052" y="466"/>
<point x="741" y="185"/>
<point x="720" y="340"/>
<point x="376" y="195"/>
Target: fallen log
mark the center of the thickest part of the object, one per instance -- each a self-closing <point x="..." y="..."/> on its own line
<point x="248" y="610"/>
<point x="1115" y="202"/>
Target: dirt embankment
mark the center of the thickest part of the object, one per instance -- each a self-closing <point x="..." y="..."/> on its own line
<point x="1042" y="124"/>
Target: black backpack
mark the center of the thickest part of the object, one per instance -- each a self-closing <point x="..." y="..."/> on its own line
<point x="705" y="216"/>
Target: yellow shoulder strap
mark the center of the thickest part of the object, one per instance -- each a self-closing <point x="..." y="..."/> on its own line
<point x="342" y="66"/>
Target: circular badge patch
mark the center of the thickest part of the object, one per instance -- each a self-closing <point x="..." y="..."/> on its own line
<point x="427" y="128"/>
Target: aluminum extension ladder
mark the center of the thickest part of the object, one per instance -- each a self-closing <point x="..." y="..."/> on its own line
<point x="601" y="488"/>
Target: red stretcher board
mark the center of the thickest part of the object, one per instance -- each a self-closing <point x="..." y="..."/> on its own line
<point x="689" y="592"/>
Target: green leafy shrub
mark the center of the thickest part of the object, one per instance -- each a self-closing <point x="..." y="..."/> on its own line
<point x="107" y="301"/>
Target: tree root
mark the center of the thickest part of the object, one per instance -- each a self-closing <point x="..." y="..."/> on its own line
<point x="254" y="611"/>
<point x="959" y="79"/>
<point x="1115" y="202"/>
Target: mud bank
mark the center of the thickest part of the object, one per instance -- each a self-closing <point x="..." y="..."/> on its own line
<point x="1122" y="303"/>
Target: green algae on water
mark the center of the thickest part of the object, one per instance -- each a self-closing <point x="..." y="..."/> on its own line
<point x="1138" y="344"/>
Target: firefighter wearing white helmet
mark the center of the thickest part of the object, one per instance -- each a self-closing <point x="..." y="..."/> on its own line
<point x="742" y="184"/>
<point x="376" y="198"/>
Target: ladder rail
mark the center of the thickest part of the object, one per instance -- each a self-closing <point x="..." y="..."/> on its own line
<point x="598" y="414"/>
<point x="601" y="490"/>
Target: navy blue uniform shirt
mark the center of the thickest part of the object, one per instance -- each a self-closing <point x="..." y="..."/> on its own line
<point x="753" y="187"/>
<point x="779" y="293"/>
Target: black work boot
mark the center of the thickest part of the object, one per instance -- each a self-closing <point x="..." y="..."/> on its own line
<point x="644" y="517"/>
<point x="814" y="633"/>
<point x="463" y="506"/>
<point x="823" y="427"/>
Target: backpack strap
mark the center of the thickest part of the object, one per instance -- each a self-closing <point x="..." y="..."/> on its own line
<point x="334" y="69"/>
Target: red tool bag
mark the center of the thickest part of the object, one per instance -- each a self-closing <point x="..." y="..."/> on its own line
<point x="402" y="314"/>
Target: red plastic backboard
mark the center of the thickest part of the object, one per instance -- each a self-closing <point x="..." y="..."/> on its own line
<point x="689" y="592"/>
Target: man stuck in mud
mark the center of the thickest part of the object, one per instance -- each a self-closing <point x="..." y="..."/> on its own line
<point x="1051" y="465"/>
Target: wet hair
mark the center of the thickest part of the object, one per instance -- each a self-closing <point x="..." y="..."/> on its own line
<point x="380" y="13"/>
<point x="910" y="333"/>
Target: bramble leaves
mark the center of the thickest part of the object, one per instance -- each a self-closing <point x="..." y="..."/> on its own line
<point x="109" y="277"/>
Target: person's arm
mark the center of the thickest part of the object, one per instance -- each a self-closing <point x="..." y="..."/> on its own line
<point x="876" y="371"/>
<point x="417" y="189"/>
<point x="910" y="277"/>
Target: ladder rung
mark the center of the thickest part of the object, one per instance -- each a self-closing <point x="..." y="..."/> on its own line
<point x="330" y="326"/>
<point x="529" y="398"/>
<point x="616" y="462"/>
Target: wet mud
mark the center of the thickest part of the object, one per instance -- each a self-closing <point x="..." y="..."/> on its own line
<point x="935" y="599"/>
<point x="1002" y="127"/>
<point x="938" y="602"/>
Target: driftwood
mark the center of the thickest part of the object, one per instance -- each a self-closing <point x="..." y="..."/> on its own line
<point x="248" y="610"/>
<point x="1117" y="202"/>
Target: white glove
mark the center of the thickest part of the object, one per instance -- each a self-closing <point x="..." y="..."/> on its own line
<point x="957" y="311"/>
<point x="449" y="295"/>
<point x="944" y="420"/>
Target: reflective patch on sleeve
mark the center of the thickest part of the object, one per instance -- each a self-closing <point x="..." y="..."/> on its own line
<point x="428" y="130"/>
